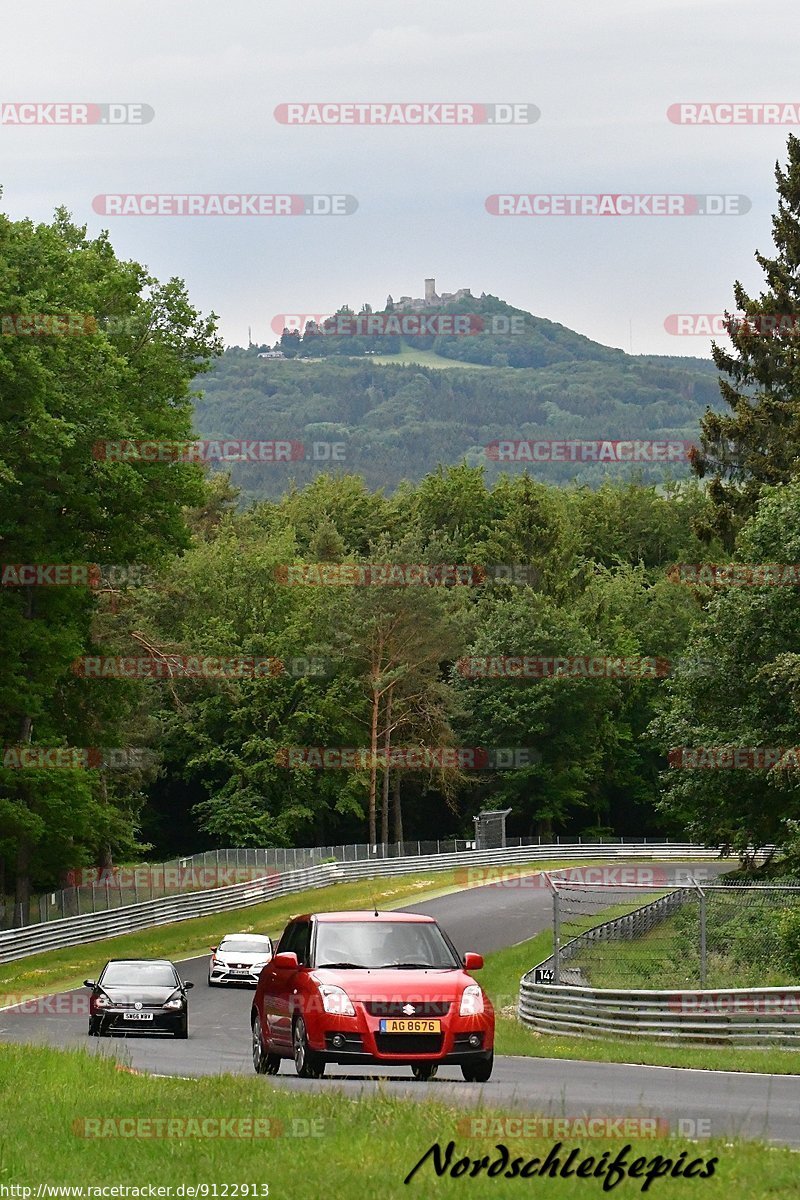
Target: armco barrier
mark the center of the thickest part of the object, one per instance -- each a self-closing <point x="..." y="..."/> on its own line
<point x="90" y="891"/>
<point x="746" y="1017"/>
<point x="74" y="931"/>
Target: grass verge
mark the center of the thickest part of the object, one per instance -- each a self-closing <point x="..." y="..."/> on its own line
<point x="363" y="1145"/>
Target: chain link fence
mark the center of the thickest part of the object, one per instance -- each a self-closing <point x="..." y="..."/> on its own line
<point x="92" y="891"/>
<point x="720" y="936"/>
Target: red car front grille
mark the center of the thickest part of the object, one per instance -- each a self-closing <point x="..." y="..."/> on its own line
<point x="397" y="1008"/>
<point x="409" y="1043"/>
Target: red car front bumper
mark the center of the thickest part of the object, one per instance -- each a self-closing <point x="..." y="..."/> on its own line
<point x="360" y="1039"/>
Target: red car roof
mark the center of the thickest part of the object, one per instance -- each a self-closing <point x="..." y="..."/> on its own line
<point x="367" y="914"/>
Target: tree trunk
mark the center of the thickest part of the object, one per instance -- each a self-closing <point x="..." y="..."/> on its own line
<point x="387" y="742"/>
<point x="22" y="885"/>
<point x="22" y="892"/>
<point x="373" y="765"/>
<point x="105" y="859"/>
<point x="398" y="810"/>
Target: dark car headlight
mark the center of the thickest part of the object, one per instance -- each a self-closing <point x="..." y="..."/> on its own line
<point x="175" y="1001"/>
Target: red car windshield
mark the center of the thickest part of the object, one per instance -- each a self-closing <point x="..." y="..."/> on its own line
<point x="404" y="945"/>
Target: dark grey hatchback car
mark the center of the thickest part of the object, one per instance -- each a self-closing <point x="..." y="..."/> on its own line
<point x="137" y="995"/>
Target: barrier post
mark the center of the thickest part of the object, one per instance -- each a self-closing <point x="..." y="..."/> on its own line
<point x="556" y="929"/>
<point x="703" y="925"/>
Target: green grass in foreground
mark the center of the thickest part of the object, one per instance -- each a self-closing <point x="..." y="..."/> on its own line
<point x="364" y="1146"/>
<point x="501" y="977"/>
<point x="60" y="970"/>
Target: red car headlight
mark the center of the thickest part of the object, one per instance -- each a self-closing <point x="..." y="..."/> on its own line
<point x="336" y="1001"/>
<point x="471" y="1001"/>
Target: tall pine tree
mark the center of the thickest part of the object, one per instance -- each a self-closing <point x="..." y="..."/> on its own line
<point x="758" y="442"/>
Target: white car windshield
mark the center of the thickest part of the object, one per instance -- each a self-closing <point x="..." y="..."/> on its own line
<point x="245" y="946"/>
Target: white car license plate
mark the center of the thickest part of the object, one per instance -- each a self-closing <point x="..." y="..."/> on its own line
<point x="236" y="971"/>
<point x="138" y="1016"/>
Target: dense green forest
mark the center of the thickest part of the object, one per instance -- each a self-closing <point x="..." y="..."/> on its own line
<point x="319" y="597"/>
<point x="397" y="422"/>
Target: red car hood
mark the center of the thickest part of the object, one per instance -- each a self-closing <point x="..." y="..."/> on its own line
<point x="385" y="984"/>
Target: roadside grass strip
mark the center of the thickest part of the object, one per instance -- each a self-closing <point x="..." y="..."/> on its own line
<point x="71" y="1118"/>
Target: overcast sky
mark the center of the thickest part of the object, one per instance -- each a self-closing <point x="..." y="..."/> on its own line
<point x="602" y="74"/>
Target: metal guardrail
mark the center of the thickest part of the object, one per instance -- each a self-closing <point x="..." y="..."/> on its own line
<point x="72" y="931"/>
<point x="745" y="1017"/>
<point x="89" y="891"/>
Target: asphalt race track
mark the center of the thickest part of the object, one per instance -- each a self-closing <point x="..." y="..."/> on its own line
<point x="480" y="919"/>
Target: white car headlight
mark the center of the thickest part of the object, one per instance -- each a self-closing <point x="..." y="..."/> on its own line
<point x="471" y="1001"/>
<point x="335" y="1000"/>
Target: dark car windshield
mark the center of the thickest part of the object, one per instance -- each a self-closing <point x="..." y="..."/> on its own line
<point x="138" y="974"/>
<point x="246" y="945"/>
<point x="405" y="945"/>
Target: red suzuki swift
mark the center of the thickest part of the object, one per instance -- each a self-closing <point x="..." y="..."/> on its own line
<point x="365" y="987"/>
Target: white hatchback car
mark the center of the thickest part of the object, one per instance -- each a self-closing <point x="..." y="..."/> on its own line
<point x="239" y="958"/>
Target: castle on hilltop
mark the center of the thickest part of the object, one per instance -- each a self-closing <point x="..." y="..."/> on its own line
<point x="430" y="300"/>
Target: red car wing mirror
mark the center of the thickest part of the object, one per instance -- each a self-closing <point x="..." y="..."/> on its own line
<point x="287" y="961"/>
<point x="473" y="962"/>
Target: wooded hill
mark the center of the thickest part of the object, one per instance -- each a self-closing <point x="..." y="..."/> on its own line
<point x="397" y="420"/>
